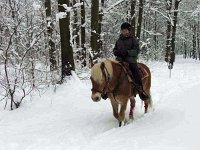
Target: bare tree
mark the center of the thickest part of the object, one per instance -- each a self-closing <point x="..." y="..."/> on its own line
<point x="194" y="41"/>
<point x="83" y="53"/>
<point x="198" y="35"/>
<point x="133" y="17"/>
<point x="75" y="26"/>
<point x="100" y="26"/>
<point x="94" y="28"/>
<point x="66" y="48"/>
<point x="140" y="18"/>
<point x="174" y="28"/>
<point x="51" y="44"/>
<point x="169" y="29"/>
<point x="21" y="38"/>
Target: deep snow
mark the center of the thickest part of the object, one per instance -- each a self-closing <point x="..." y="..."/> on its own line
<point x="70" y="120"/>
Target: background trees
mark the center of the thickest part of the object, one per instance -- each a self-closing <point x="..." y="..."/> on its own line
<point x="66" y="47"/>
<point x="94" y="28"/>
<point x="42" y="42"/>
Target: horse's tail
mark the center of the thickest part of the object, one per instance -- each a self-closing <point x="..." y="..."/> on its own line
<point x="150" y="102"/>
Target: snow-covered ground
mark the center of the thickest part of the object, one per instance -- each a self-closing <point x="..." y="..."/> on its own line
<point x="70" y="120"/>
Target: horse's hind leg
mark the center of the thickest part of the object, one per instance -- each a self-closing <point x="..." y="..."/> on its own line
<point x="132" y="106"/>
<point x="147" y="103"/>
<point x="122" y="113"/>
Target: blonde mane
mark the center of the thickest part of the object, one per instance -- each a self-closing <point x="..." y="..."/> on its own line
<point x="96" y="72"/>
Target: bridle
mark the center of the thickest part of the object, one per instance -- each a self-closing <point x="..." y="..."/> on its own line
<point x="107" y="77"/>
<point x="107" y="80"/>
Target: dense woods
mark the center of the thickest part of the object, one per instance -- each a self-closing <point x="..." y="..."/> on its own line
<point x="42" y="42"/>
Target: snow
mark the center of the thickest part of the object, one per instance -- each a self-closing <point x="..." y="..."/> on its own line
<point x="115" y="4"/>
<point x="69" y="119"/>
<point x="94" y="31"/>
<point x="49" y="24"/>
<point x="33" y="42"/>
<point x="36" y="6"/>
<point x="68" y="9"/>
<point x="60" y="15"/>
<point x="83" y="25"/>
<point x="156" y="10"/>
<point x="78" y="4"/>
<point x="152" y="32"/>
<point x="196" y="11"/>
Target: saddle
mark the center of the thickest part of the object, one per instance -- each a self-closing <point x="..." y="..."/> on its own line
<point x="143" y="73"/>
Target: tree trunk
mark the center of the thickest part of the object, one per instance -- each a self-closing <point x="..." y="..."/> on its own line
<point x="133" y="18"/>
<point x="100" y="42"/>
<point x="51" y="44"/>
<point x="127" y="12"/>
<point x="139" y="25"/>
<point x="94" y="28"/>
<point x="155" y="31"/>
<point x="66" y="48"/>
<point x="194" y="41"/>
<point x="175" y="19"/>
<point x="83" y="33"/>
<point x="75" y="26"/>
<point x="169" y="29"/>
<point x="185" y="47"/>
<point x="198" y="38"/>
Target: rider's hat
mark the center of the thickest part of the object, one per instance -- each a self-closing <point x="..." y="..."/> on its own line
<point x="126" y="25"/>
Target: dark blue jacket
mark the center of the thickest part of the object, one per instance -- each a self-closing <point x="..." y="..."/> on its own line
<point x="129" y="44"/>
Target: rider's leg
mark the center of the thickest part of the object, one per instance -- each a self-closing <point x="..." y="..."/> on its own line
<point x="138" y="81"/>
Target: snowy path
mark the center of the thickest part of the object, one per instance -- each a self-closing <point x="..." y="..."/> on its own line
<point x="69" y="120"/>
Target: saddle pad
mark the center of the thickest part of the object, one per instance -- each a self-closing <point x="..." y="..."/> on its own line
<point x="125" y="66"/>
<point x="143" y="72"/>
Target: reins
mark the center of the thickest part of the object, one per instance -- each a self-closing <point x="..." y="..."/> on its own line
<point x="108" y="79"/>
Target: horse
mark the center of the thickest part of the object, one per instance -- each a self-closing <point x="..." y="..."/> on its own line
<point x="110" y="80"/>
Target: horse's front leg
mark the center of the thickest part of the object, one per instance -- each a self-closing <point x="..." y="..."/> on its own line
<point x="122" y="119"/>
<point x="114" y="107"/>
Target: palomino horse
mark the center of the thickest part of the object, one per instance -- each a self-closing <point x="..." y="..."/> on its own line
<point x="109" y="78"/>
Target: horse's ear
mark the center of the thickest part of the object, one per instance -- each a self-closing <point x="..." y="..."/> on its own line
<point x="102" y="66"/>
<point x="93" y="62"/>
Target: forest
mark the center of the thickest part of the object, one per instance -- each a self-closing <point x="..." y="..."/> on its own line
<point x="61" y="87"/>
<point x="42" y="42"/>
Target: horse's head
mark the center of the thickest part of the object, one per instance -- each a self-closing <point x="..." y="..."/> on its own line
<point x="97" y="89"/>
<point x="99" y="78"/>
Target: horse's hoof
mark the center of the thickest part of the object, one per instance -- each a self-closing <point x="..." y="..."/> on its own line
<point x="131" y="117"/>
<point x="120" y="124"/>
<point x="130" y="121"/>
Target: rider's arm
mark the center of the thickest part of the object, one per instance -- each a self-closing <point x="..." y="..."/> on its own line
<point x="135" y="48"/>
<point x="116" y="50"/>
